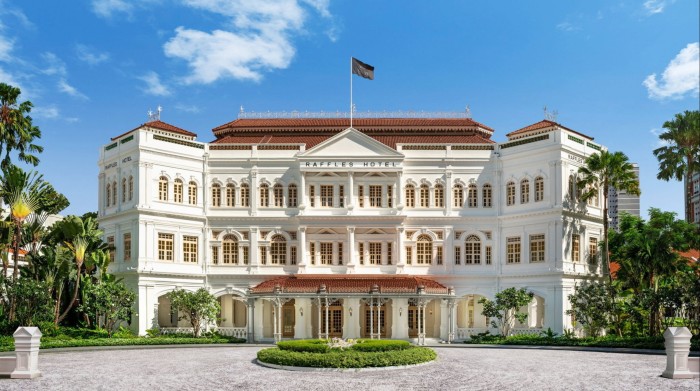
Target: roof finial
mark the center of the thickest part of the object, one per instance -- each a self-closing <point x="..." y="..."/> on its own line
<point x="550" y="115"/>
<point x="468" y="112"/>
<point x="154" y="116"/>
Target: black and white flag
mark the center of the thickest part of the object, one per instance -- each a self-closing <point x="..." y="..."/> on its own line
<point x="361" y="69"/>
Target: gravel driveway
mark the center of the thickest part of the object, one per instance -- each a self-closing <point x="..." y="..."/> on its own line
<point x="457" y="368"/>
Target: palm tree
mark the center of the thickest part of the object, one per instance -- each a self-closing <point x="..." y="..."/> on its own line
<point x="680" y="158"/>
<point x="17" y="133"/>
<point x="601" y="171"/>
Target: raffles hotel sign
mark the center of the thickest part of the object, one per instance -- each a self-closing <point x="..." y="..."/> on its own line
<point x="346" y="164"/>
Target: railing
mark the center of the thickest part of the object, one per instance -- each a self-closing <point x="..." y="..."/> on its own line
<point x="176" y="330"/>
<point x="236" y="332"/>
<point x="356" y="114"/>
<point x="466" y="333"/>
<point x="528" y="331"/>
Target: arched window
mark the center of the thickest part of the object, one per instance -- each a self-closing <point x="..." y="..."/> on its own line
<point x="192" y="192"/>
<point x="131" y="187"/>
<point x="458" y="197"/>
<point x="439" y="196"/>
<point x="245" y="195"/>
<point x="278" y="193"/>
<point x="123" y="190"/>
<point x="524" y="191"/>
<point x="292" y="196"/>
<point x="114" y="193"/>
<point x="424" y="250"/>
<point x="410" y="196"/>
<point x="177" y="190"/>
<point x="278" y="250"/>
<point x="424" y="196"/>
<point x="539" y="189"/>
<point x="264" y="195"/>
<point x="163" y="188"/>
<point x="108" y="190"/>
<point x="472" y="250"/>
<point x="572" y="189"/>
<point x="216" y="195"/>
<point x="230" y="249"/>
<point x="230" y="195"/>
<point x="487" y="196"/>
<point x="510" y="193"/>
<point x="473" y="202"/>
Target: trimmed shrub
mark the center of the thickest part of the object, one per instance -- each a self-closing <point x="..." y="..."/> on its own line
<point x="380" y="345"/>
<point x="347" y="358"/>
<point x="305" y="345"/>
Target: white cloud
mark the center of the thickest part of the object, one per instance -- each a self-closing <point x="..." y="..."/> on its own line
<point x="64" y="87"/>
<point x="107" y="8"/>
<point x="55" y="66"/>
<point x="154" y="85"/>
<point x="566" y="26"/>
<point x="187" y="109"/>
<point x="681" y="76"/>
<point x="49" y="112"/>
<point x="259" y="38"/>
<point x="6" y="45"/>
<point x="652" y="7"/>
<point x="89" y="55"/>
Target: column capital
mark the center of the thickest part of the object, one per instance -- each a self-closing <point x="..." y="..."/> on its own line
<point x="351" y="230"/>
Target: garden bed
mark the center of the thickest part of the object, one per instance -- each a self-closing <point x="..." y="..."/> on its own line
<point x="346" y="354"/>
<point x="608" y="341"/>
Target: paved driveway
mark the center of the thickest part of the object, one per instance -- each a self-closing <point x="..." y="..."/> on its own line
<point x="457" y="368"/>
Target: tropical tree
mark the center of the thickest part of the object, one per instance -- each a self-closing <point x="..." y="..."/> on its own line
<point x="200" y="307"/>
<point x="591" y="307"/>
<point x="600" y="172"/>
<point x="17" y="132"/>
<point x="648" y="254"/>
<point x="680" y="158"/>
<point x="505" y="310"/>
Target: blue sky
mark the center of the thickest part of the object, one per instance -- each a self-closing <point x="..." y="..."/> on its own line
<point x="614" y="70"/>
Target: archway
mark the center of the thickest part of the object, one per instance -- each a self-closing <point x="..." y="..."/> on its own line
<point x="233" y="317"/>
<point x="470" y="320"/>
<point x="535" y="317"/>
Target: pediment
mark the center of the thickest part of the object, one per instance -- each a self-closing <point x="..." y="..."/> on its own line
<point x="351" y="143"/>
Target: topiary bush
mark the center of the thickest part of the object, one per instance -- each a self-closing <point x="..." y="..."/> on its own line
<point x="305" y="345"/>
<point x="349" y="358"/>
<point x="380" y="345"/>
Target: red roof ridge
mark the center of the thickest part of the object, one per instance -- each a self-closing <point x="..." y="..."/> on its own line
<point x="544" y="124"/>
<point x="158" y="124"/>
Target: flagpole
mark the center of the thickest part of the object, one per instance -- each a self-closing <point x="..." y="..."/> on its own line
<point x="351" y="92"/>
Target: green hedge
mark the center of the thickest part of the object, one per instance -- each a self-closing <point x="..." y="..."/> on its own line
<point x="608" y="341"/>
<point x="347" y="358"/>
<point x="380" y="345"/>
<point x="305" y="345"/>
<point x="67" y="342"/>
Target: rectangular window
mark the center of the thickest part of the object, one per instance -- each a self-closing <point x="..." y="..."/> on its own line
<point x="262" y="251"/>
<point x="216" y="196"/>
<point x="215" y="255"/>
<point x="340" y="253"/>
<point x="473" y="201"/>
<point x="326" y="253"/>
<point x="424" y="196"/>
<point x="246" y="255"/>
<point x="127" y="246"/>
<point x="513" y="250"/>
<point x="575" y="248"/>
<point x="361" y="252"/>
<point x="389" y="253"/>
<point x="592" y="250"/>
<point x="390" y="196"/>
<point x="230" y="195"/>
<point x="410" y="196"/>
<point x="536" y="248"/>
<point x="488" y="255"/>
<point x="293" y="255"/>
<point x="192" y="193"/>
<point x="327" y="196"/>
<point x="375" y="253"/>
<point x="341" y="196"/>
<point x="375" y="196"/>
<point x="361" y="196"/>
<point x="278" y="192"/>
<point x="264" y="196"/>
<point x="312" y="196"/>
<point x="245" y="196"/>
<point x="524" y="192"/>
<point x="110" y="244"/>
<point x="439" y="196"/>
<point x="438" y="255"/>
<point x="458" y="255"/>
<point x="165" y="247"/>
<point x="486" y="196"/>
<point x="189" y="249"/>
<point x="409" y="255"/>
<point x="458" y="196"/>
<point x="177" y="191"/>
<point x="539" y="189"/>
<point x="312" y="253"/>
<point x="292" y="196"/>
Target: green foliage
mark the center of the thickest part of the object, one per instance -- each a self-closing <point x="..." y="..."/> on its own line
<point x="592" y="306"/>
<point x="305" y="345"/>
<point x="17" y="132"/>
<point x="506" y="309"/>
<point x="123" y="332"/>
<point x="199" y="308"/>
<point x="347" y="358"/>
<point x="152" y="333"/>
<point x="113" y="303"/>
<point x="380" y="345"/>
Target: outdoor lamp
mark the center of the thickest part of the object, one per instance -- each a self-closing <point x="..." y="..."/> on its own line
<point x="400" y="311"/>
<point x="350" y="310"/>
<point x="301" y="311"/>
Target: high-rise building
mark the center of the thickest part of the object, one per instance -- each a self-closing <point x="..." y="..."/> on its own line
<point x="620" y="202"/>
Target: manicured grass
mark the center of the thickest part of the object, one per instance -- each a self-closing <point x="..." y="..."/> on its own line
<point x="363" y="354"/>
<point x="608" y="341"/>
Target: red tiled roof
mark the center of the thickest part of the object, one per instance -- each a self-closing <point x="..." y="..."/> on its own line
<point x="162" y="126"/>
<point x="243" y="123"/>
<point x="388" y="140"/>
<point x="309" y="283"/>
<point x="543" y="125"/>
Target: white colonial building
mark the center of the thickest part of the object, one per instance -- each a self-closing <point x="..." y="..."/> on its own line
<point x="306" y="227"/>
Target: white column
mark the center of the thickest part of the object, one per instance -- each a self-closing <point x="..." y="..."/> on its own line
<point x="444" y="320"/>
<point x="352" y="259"/>
<point x="301" y="200"/>
<point x="259" y="319"/>
<point x="350" y="204"/>
<point x="399" y="191"/>
<point x="301" y="235"/>
<point x="399" y="318"/>
<point x="253" y="250"/>
<point x="448" y="192"/>
<point x="254" y="192"/>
